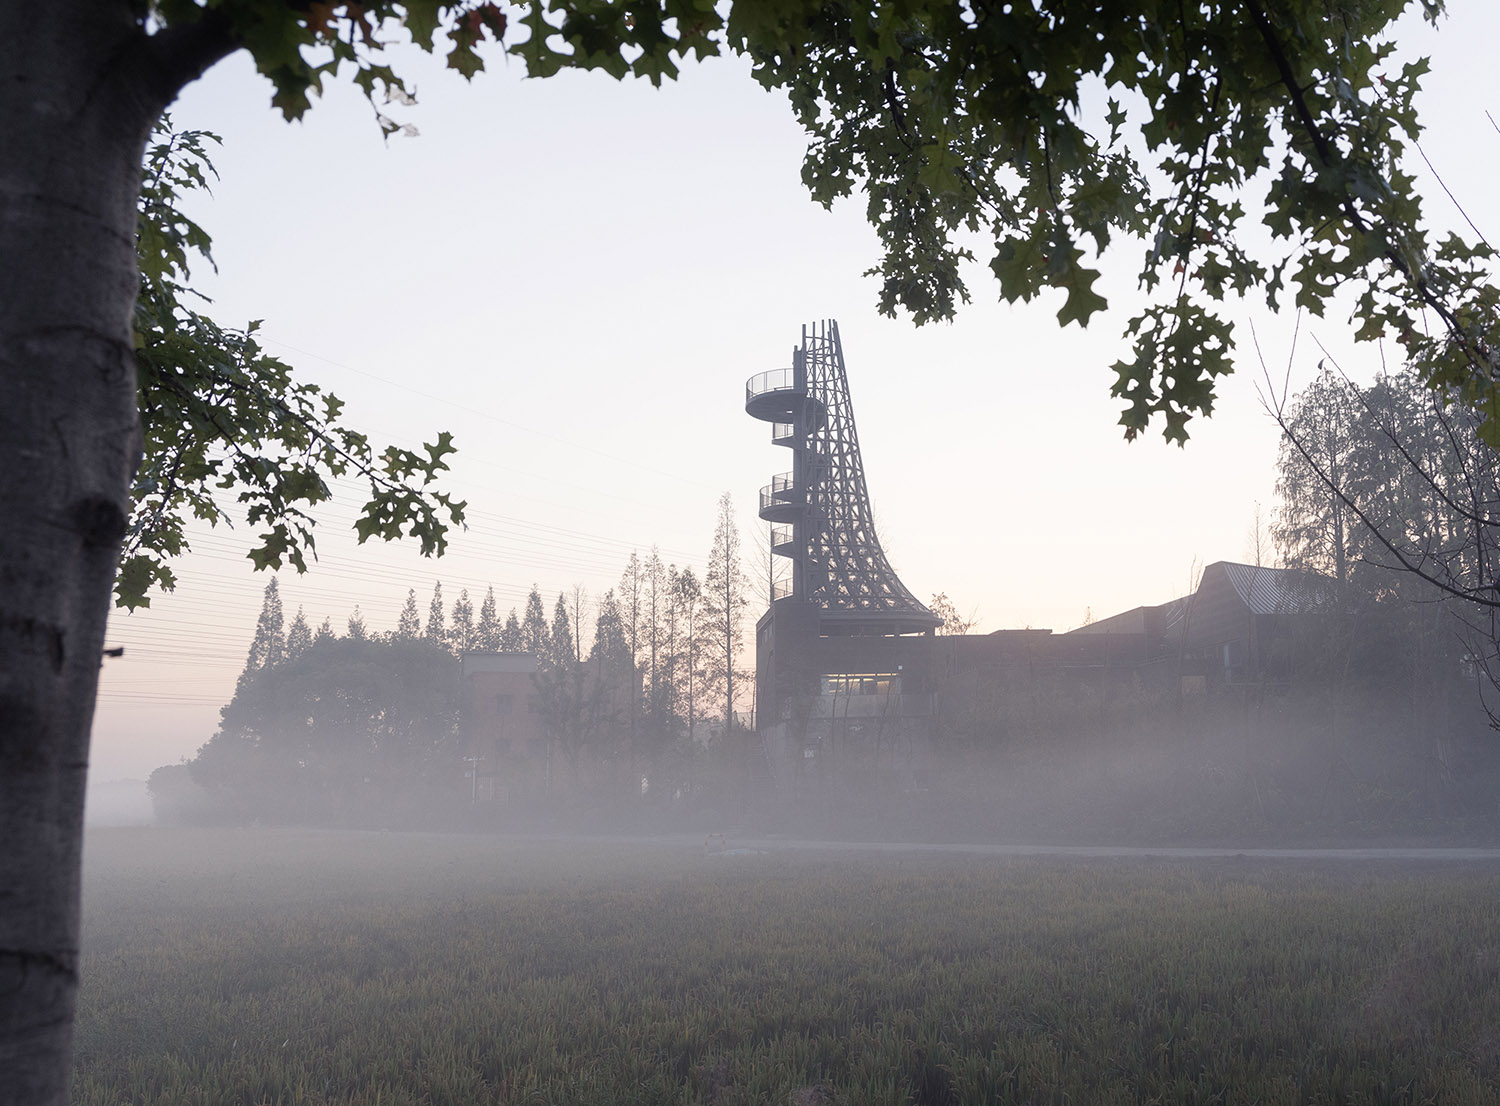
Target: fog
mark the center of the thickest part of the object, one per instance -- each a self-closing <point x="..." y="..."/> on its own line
<point x="379" y="882"/>
<point x="319" y="966"/>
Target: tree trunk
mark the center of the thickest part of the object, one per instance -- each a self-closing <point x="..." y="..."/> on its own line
<point x="75" y="115"/>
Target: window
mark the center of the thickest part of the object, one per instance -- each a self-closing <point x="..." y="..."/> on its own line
<point x="862" y="683"/>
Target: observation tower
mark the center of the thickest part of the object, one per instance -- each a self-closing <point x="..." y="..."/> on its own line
<point x="843" y="639"/>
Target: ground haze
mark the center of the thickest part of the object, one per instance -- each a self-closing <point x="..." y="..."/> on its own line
<point x="285" y="966"/>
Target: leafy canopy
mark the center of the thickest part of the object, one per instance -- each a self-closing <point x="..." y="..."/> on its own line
<point x="1038" y="134"/>
<point x="222" y="417"/>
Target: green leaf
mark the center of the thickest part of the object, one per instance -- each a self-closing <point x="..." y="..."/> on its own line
<point x="1082" y="300"/>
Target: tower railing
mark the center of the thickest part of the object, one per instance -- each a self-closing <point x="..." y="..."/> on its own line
<point x="781" y="500"/>
<point x="773" y="380"/>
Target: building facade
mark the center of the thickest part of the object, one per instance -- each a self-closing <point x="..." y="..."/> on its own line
<point x="505" y="744"/>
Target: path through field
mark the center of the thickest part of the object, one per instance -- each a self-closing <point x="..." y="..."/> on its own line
<point x="731" y="845"/>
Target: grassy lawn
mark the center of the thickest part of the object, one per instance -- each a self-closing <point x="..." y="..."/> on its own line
<point x="251" y="967"/>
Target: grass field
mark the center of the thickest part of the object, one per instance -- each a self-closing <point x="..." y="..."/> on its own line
<point x="252" y="967"/>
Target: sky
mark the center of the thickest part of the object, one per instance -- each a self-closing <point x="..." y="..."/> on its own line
<point x="575" y="277"/>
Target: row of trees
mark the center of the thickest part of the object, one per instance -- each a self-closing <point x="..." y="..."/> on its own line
<point x="683" y="634"/>
<point x="328" y="726"/>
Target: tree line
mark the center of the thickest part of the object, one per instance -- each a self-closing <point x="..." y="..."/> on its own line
<point x="326" y="726"/>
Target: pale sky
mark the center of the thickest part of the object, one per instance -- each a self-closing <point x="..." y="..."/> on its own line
<point x="576" y="277"/>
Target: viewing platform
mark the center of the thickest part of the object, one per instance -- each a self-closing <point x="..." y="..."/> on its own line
<point x="781" y="500"/>
<point x="774" y="397"/>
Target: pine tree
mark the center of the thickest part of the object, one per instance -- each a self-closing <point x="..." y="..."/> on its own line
<point x="510" y="636"/>
<point x="268" y="646"/>
<point x="437" y="632"/>
<point x="560" y="687"/>
<point x="611" y="649"/>
<point x="487" y="633"/>
<point x="609" y="678"/>
<point x="298" y="637"/>
<point x="724" y="595"/>
<point x="461" y="633"/>
<point x="357" y="631"/>
<point x="325" y="632"/>
<point x="409" y="625"/>
<point x="562" y="654"/>
<point x="689" y="602"/>
<point x="535" y="635"/>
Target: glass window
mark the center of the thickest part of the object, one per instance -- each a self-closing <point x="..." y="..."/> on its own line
<point x="862" y="683"/>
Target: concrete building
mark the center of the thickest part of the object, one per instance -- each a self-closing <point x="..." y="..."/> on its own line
<point x="505" y="744"/>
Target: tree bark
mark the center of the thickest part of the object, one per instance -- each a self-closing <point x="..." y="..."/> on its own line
<point x="80" y="87"/>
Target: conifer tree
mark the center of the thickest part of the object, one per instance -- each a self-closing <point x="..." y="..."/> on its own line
<point x="487" y="632"/>
<point x="609" y="678"/>
<point x="325" y="632"/>
<point x="535" y="636"/>
<point x="461" y="633"/>
<point x="268" y="646"/>
<point x="298" y="637"/>
<point x="437" y="632"/>
<point x="611" y="648"/>
<point x="409" y="625"/>
<point x="562" y="654"/>
<point x="510" y="636"/>
<point x="357" y="631"/>
<point x="559" y="685"/>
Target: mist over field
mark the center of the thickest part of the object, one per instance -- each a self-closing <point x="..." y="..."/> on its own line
<point x="318" y="967"/>
<point x="1058" y="763"/>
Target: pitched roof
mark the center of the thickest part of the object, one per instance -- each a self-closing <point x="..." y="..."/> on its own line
<point x="1267" y="590"/>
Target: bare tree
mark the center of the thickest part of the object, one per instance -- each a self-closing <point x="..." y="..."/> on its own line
<point x="1421" y="491"/>
<point x="953" y="621"/>
<point x="725" y="594"/>
<point x="689" y="603"/>
<point x="577" y="599"/>
<point x="1258" y="543"/>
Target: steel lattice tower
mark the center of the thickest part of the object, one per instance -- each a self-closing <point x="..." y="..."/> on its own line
<point x="842" y="585"/>
<point x="820" y="510"/>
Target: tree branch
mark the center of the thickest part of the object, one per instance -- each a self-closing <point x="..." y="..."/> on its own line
<point x="179" y="54"/>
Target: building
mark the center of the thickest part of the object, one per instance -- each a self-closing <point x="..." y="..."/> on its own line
<point x="505" y="744"/>
<point x="843" y="652"/>
<point x="1242" y="624"/>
